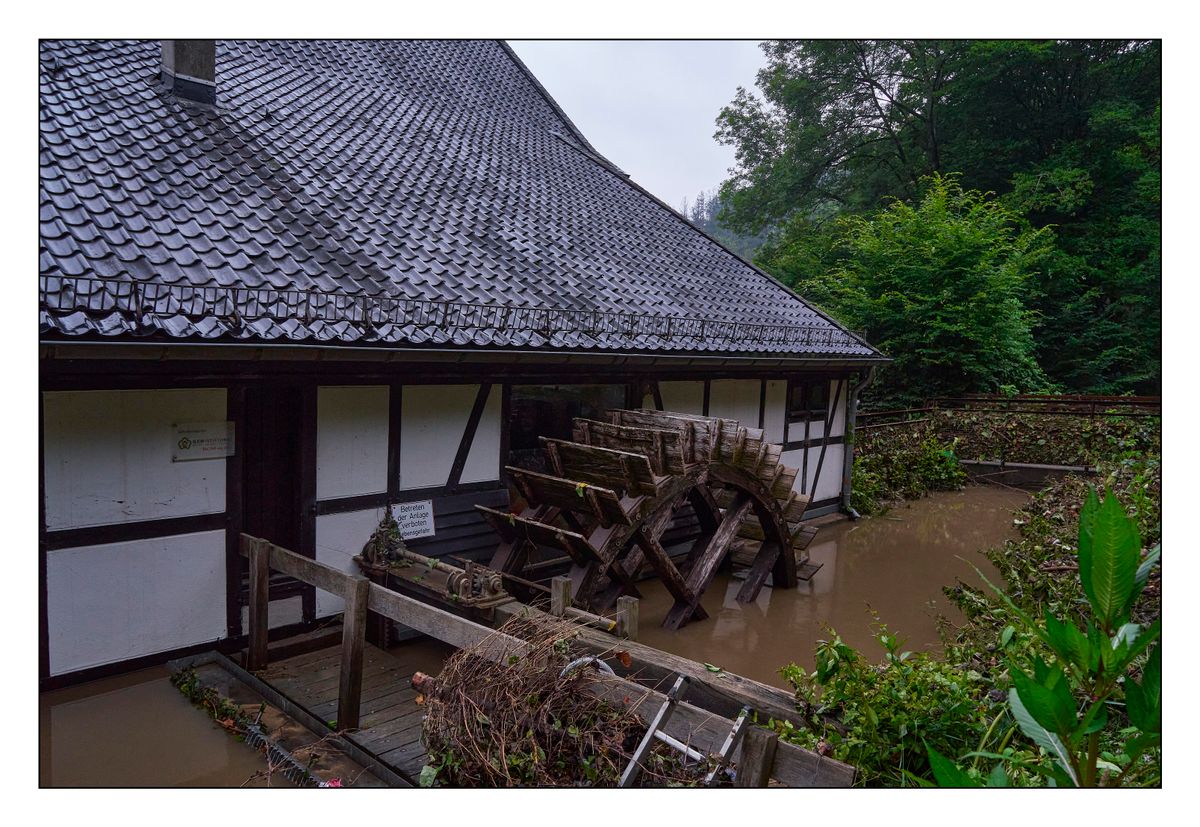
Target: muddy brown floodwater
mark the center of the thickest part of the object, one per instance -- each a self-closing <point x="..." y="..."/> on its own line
<point x="895" y="564"/>
<point x="137" y="730"/>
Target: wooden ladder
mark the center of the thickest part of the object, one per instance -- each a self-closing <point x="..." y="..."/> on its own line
<point x="654" y="732"/>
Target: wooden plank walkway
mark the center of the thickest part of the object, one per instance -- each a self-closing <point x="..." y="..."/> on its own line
<point x="390" y="722"/>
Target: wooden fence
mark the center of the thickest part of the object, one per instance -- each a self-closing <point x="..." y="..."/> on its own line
<point x="1037" y="405"/>
<point x="698" y="726"/>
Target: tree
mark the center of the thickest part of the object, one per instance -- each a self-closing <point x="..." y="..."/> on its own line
<point x="1066" y="132"/>
<point x="938" y="286"/>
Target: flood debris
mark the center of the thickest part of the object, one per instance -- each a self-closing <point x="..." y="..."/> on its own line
<point x="530" y="721"/>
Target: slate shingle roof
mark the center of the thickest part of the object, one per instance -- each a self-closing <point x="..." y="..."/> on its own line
<point x="372" y="192"/>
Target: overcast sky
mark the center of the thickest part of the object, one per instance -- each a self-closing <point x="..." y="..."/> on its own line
<point x="649" y="106"/>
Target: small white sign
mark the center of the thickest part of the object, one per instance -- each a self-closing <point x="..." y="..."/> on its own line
<point x="202" y="440"/>
<point x="415" y="519"/>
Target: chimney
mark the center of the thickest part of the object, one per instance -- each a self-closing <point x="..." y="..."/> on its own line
<point x="189" y="69"/>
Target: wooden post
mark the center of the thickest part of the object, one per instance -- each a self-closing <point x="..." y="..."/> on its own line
<point x="627" y="617"/>
<point x="354" y="627"/>
<point x="560" y="596"/>
<point x="758" y="757"/>
<point x="260" y="578"/>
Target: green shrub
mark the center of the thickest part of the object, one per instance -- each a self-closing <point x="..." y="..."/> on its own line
<point x="902" y="464"/>
<point x="879" y="717"/>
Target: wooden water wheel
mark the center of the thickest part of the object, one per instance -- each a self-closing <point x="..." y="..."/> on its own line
<point x="619" y="485"/>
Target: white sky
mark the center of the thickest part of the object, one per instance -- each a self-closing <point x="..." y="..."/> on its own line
<point x="649" y="106"/>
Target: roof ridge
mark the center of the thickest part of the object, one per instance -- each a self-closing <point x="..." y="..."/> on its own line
<point x="558" y="110"/>
<point x="595" y="155"/>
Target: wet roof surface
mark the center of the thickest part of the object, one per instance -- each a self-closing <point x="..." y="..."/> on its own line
<point x="370" y="192"/>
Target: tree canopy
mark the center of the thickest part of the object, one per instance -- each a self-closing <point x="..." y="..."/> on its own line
<point x="1066" y="134"/>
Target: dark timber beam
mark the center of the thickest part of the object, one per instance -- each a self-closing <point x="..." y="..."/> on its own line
<point x="468" y="437"/>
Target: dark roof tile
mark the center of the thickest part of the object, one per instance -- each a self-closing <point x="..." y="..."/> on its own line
<point x="380" y="170"/>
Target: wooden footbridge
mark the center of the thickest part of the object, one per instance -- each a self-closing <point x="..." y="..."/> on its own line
<point x="614" y="492"/>
<point x="365" y="692"/>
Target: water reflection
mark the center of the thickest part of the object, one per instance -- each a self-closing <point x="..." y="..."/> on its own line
<point x="895" y="565"/>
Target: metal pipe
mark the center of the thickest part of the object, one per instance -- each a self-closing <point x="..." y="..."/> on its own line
<point x="848" y="453"/>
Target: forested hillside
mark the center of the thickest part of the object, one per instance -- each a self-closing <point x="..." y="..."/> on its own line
<point x="987" y="212"/>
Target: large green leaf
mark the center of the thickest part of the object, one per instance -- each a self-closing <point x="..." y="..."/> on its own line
<point x="1068" y="642"/>
<point x="947" y="773"/>
<point x="1143" y="572"/>
<point x="1041" y="736"/>
<point x="1109" y="551"/>
<point x="998" y="778"/>
<point x="1049" y="701"/>
<point x="1087" y="530"/>
<point x="1143" y="701"/>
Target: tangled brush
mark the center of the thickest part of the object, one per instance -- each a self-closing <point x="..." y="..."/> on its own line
<point x="513" y="719"/>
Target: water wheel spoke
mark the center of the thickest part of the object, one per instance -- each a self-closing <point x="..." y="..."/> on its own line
<point x="706" y="565"/>
<point x="762" y="566"/>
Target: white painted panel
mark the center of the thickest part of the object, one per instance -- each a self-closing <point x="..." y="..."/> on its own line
<point x="794" y="459"/>
<point x="352" y="440"/>
<point x="108" y="457"/>
<point x="431" y="427"/>
<point x="816" y="429"/>
<point x="118" y="601"/>
<point x="339" y="538"/>
<point x="735" y="399"/>
<point x="682" y="397"/>
<point x="830" y="484"/>
<point x="838" y="426"/>
<point x="284" y="612"/>
<point x="483" y="460"/>
<point x="776" y="409"/>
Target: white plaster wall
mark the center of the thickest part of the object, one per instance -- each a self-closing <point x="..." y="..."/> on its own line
<point x="339" y="538"/>
<point x="352" y="440"/>
<point x="281" y="613"/>
<point x="830" y="484"/>
<point x="735" y="399"/>
<point x="776" y="409"/>
<point x="794" y="459"/>
<point x="118" y="601"/>
<point x="483" y="460"/>
<point x="432" y="424"/>
<point x="108" y="456"/>
<point x="838" y="426"/>
<point x="682" y="397"/>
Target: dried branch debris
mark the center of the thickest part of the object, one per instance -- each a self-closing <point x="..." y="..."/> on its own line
<point x="527" y="721"/>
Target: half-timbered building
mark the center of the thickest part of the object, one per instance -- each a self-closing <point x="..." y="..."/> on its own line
<point x="286" y="284"/>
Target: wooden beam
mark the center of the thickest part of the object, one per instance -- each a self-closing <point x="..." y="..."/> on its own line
<point x="560" y="595"/>
<point x="354" y="629"/>
<point x="468" y="437"/>
<point x="235" y="406"/>
<point x="308" y="489"/>
<point x="627" y="617"/>
<point x="762" y="404"/>
<point x="758" y="756"/>
<point x="395" y="423"/>
<point x="706" y="565"/>
<point x="721" y="693"/>
<point x="260" y="579"/>
<point x="837" y="395"/>
<point x="661" y="562"/>
<point x="763" y="565"/>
